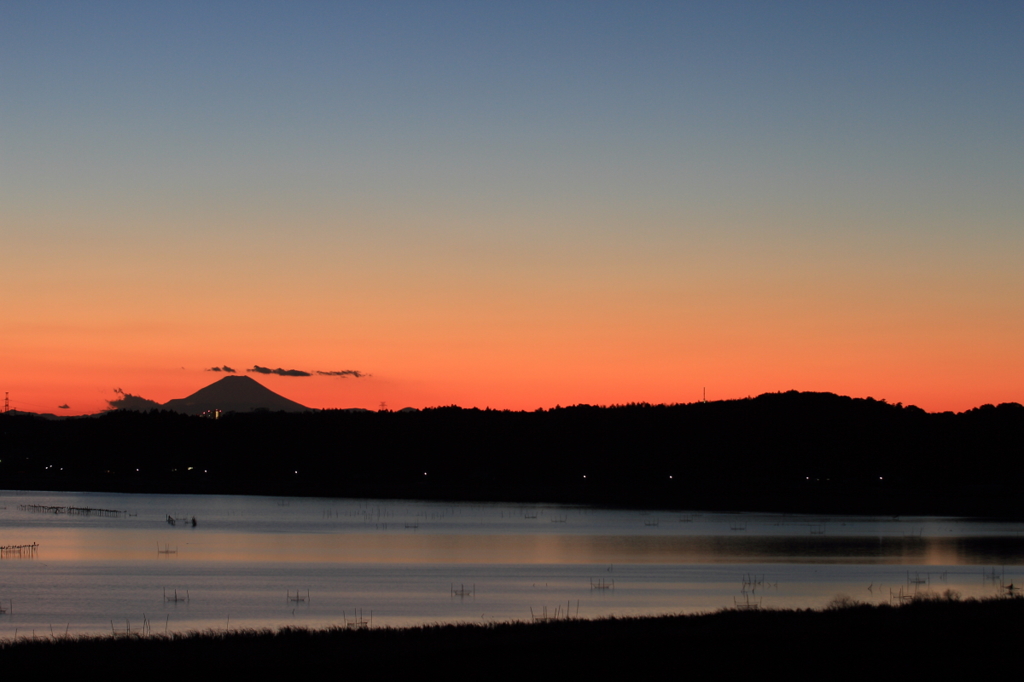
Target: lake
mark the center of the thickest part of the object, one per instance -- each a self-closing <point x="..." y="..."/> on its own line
<point x="105" y="562"/>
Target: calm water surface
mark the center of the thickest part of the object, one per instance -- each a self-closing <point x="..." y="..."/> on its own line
<point x="403" y="563"/>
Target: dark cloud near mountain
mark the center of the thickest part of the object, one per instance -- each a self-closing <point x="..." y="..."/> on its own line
<point x="135" y="403"/>
<point x="344" y="373"/>
<point x="63" y="407"/>
<point x="225" y="368"/>
<point x="299" y="373"/>
<point x="279" y="371"/>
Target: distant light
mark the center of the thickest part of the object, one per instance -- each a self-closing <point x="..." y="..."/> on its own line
<point x="190" y="468"/>
<point x="879" y="478"/>
<point x="424" y="473"/>
<point x="296" y="472"/>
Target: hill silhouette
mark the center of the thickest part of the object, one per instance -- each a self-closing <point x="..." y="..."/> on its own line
<point x="234" y="394"/>
<point x="783" y="452"/>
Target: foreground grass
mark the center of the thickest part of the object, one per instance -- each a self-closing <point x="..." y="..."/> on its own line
<point x="928" y="636"/>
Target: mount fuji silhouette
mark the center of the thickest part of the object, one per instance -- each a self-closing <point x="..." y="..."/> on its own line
<point x="234" y="394"/>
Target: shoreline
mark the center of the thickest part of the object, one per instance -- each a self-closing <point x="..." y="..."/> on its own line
<point x="937" y="633"/>
<point x="711" y="507"/>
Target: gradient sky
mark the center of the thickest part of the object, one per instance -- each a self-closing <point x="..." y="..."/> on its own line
<point x="512" y="205"/>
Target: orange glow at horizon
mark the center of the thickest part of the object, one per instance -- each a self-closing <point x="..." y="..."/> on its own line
<point x="520" y="321"/>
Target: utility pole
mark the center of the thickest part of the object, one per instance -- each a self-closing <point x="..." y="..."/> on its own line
<point x="7" y="403"/>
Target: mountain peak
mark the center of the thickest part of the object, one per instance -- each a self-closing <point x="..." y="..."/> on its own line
<point x="234" y="394"/>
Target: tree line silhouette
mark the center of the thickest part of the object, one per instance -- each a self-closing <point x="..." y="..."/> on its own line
<point x="786" y="452"/>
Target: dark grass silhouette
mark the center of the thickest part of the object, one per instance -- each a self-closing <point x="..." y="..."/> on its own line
<point x="928" y="636"/>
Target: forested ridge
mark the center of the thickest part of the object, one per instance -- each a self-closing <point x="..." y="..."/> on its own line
<point x="794" y="452"/>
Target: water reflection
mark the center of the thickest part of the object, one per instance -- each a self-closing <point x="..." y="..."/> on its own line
<point x="400" y="559"/>
<point x="128" y="544"/>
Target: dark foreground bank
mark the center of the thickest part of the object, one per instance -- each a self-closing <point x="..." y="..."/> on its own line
<point x="940" y="635"/>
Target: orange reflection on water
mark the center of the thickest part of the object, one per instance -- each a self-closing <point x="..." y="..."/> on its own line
<point x="393" y="548"/>
<point x="93" y="544"/>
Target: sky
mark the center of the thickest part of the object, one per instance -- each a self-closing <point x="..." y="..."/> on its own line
<point x="512" y="205"/>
